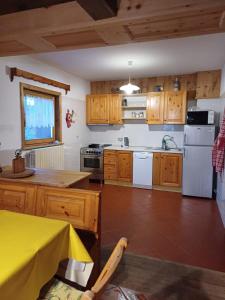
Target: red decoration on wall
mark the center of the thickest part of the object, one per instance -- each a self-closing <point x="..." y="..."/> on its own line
<point x="69" y="118"/>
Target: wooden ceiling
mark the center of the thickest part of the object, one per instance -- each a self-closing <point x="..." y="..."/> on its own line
<point x="79" y="24"/>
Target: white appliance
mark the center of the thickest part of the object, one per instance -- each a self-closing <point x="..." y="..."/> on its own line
<point x="197" y="160"/>
<point x="201" y="117"/>
<point x="142" y="169"/>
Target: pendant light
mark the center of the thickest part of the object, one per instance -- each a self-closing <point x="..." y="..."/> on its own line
<point x="129" y="88"/>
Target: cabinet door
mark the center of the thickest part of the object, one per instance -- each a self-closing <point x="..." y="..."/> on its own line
<point x="156" y="168"/>
<point x="175" y="107"/>
<point x="125" y="165"/>
<point x="78" y="207"/>
<point x="110" y="165"/>
<point x="155" y="108"/>
<point x="115" y="109"/>
<point x="97" y="109"/>
<point x="171" y="169"/>
<point x="208" y="84"/>
<point x="17" y="198"/>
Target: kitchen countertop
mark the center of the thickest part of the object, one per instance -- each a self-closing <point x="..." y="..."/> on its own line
<point x="47" y="177"/>
<point x="144" y="149"/>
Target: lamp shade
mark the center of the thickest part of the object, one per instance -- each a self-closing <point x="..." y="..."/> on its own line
<point x="129" y="88"/>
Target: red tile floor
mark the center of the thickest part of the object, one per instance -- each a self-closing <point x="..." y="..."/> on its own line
<point x="165" y="225"/>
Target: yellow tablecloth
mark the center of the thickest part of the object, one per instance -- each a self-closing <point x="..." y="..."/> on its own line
<point x="30" y="249"/>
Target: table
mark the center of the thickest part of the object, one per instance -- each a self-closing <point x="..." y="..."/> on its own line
<point x="58" y="194"/>
<point x="31" y="248"/>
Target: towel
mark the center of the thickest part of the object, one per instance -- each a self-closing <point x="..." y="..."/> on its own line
<point x="219" y="149"/>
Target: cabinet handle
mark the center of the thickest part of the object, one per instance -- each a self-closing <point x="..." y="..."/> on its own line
<point x="184" y="138"/>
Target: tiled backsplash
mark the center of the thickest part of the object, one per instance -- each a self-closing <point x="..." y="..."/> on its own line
<point x="138" y="134"/>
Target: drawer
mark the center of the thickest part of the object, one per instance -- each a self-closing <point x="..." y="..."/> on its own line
<point x="110" y="152"/>
<point x="110" y="169"/>
<point x="110" y="160"/>
<point x="110" y="176"/>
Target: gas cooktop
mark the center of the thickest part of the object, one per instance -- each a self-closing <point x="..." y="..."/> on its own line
<point x="99" y="145"/>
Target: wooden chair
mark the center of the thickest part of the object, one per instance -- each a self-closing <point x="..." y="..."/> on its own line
<point x="62" y="291"/>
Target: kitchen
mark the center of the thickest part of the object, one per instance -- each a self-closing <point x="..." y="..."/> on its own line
<point x="166" y="163"/>
<point x="151" y="167"/>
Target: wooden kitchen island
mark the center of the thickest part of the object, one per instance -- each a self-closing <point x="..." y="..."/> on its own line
<point x="57" y="194"/>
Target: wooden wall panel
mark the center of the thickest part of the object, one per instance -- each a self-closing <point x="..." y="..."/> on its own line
<point x="188" y="82"/>
<point x="208" y="84"/>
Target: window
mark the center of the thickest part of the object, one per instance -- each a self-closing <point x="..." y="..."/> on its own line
<point x="40" y="115"/>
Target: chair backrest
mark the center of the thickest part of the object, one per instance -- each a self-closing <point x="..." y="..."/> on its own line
<point x="110" y="266"/>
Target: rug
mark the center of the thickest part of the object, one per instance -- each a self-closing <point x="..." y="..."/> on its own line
<point x="147" y="278"/>
<point x="158" y="279"/>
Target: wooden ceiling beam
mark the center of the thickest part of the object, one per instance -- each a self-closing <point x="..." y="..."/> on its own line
<point x="74" y="18"/>
<point x="100" y="9"/>
<point x="115" y="35"/>
<point x="69" y="26"/>
<point x="37" y="43"/>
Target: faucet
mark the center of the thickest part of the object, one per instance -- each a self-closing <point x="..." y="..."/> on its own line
<point x="165" y="139"/>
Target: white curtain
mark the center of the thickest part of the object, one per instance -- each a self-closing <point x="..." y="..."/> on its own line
<point x="39" y="112"/>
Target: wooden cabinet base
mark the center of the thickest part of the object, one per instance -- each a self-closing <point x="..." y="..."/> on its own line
<point x="118" y="182"/>
<point x="167" y="170"/>
<point x="118" y="165"/>
<point x="167" y="188"/>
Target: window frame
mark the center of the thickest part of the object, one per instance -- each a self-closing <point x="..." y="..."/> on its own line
<point x="53" y="95"/>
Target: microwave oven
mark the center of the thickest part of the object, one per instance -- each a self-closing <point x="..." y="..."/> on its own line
<point x="201" y="117"/>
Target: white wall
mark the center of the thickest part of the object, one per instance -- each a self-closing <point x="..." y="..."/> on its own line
<point x="10" y="130"/>
<point x="138" y="134"/>
<point x="217" y="105"/>
<point x="222" y="88"/>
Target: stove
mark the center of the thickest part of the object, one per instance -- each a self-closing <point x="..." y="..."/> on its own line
<point x="91" y="160"/>
<point x="94" y="149"/>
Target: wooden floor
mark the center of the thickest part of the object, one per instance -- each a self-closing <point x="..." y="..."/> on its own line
<point x="164" y="225"/>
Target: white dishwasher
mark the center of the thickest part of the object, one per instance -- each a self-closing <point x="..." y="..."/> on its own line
<point x="142" y="169"/>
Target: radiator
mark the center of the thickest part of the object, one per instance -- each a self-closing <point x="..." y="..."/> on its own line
<point x="47" y="158"/>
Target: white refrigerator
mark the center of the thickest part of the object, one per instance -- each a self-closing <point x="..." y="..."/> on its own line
<point x="197" y="160"/>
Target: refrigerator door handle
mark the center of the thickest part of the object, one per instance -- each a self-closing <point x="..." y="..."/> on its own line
<point x="185" y="138"/>
<point x="184" y="153"/>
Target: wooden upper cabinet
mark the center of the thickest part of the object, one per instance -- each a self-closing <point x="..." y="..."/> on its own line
<point x="125" y="165"/>
<point x="171" y="169"/>
<point x="175" y="107"/>
<point x="155" y="108"/>
<point x="97" y="109"/>
<point x="208" y="84"/>
<point x="115" y="109"/>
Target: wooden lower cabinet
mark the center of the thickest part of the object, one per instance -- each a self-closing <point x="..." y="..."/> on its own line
<point x="18" y="198"/>
<point x="125" y="165"/>
<point x="110" y="165"/>
<point x="156" y="168"/>
<point x="167" y="169"/>
<point x="79" y="207"/>
<point x="118" y="165"/>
